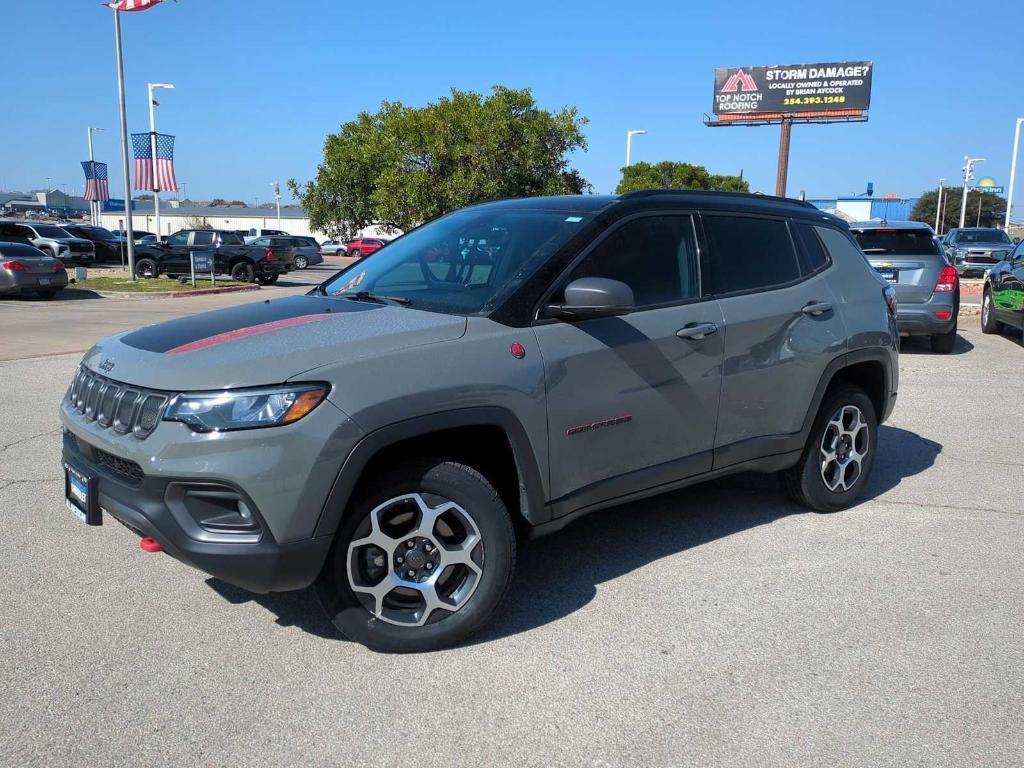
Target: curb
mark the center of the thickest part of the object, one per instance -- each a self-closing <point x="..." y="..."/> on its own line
<point x="132" y="295"/>
<point x="208" y="291"/>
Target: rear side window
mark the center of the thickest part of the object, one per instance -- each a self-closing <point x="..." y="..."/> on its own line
<point x="203" y="238"/>
<point x="897" y="242"/>
<point x="750" y="254"/>
<point x="812" y="253"/>
<point x="230" y="238"/>
<point x="655" y="256"/>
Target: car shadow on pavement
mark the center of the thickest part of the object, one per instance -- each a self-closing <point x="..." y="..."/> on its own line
<point x="558" y="575"/>
<point x="921" y="345"/>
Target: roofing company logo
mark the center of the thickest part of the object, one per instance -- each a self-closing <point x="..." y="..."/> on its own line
<point x="739" y="81"/>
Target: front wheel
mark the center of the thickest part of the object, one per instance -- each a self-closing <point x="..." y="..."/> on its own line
<point x="243" y="272"/>
<point x="989" y="324"/>
<point x="146" y="268"/>
<point x="840" y="451"/>
<point x="421" y="561"/>
<point x="356" y="254"/>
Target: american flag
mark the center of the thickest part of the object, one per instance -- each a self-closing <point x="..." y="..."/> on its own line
<point x="132" y="5"/>
<point x="96" y="186"/>
<point x="165" y="181"/>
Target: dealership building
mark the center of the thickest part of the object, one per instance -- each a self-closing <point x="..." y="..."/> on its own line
<point x="862" y="208"/>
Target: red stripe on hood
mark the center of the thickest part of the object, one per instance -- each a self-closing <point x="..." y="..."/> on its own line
<point x="252" y="330"/>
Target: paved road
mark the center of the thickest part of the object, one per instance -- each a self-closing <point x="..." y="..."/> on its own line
<point x="716" y="626"/>
<point x="76" y="319"/>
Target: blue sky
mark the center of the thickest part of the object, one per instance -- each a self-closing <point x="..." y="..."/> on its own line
<point x="261" y="82"/>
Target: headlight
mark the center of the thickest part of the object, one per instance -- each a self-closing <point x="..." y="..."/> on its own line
<point x="245" y="408"/>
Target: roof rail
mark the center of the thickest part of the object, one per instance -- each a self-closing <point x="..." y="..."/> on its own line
<point x="749" y="195"/>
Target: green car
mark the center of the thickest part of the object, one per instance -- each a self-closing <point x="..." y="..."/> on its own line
<point x="1002" y="303"/>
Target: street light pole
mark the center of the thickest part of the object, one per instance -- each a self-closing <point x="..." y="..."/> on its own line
<point x="184" y="189"/>
<point x="1013" y="171"/>
<point x="129" y="231"/>
<point x="968" y="175"/>
<point x="277" y="196"/>
<point x="152" y="147"/>
<point x="94" y="205"/>
<point x="938" y="208"/>
<point x="629" y="142"/>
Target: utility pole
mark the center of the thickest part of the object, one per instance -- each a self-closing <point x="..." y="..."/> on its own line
<point x="968" y="176"/>
<point x="938" y="207"/>
<point x="1013" y="171"/>
<point x="782" y="172"/>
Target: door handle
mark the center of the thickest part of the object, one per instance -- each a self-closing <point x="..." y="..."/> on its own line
<point x="696" y="331"/>
<point x="816" y="308"/>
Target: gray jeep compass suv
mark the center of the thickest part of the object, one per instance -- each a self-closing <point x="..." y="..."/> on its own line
<point x="488" y="377"/>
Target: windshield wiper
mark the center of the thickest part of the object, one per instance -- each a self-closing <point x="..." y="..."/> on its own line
<point x="377" y="298"/>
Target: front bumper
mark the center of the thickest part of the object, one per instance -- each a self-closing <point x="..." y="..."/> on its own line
<point x="966" y="268"/>
<point x="257" y="562"/>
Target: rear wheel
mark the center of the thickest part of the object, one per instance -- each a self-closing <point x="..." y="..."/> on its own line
<point x="267" y="279"/>
<point x="840" y="451"/>
<point x="989" y="324"/>
<point x="301" y="262"/>
<point x="356" y="253"/>
<point x="243" y="272"/>
<point x="421" y="561"/>
<point x="146" y="268"/>
<point x="943" y="342"/>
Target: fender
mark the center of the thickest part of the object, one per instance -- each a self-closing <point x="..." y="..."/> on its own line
<point x="531" y="487"/>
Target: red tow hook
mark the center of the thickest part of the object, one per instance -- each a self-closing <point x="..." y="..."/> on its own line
<point x="149" y="544"/>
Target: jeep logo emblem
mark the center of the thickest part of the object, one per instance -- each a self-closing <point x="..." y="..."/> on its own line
<point x="107" y="365"/>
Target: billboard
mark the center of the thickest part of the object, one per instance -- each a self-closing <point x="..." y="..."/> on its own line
<point x="793" y="89"/>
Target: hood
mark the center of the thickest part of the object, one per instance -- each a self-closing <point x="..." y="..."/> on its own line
<point x="264" y="342"/>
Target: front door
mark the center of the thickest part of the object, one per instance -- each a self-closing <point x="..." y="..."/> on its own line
<point x="633" y="400"/>
<point x="1008" y="290"/>
<point x="175" y="254"/>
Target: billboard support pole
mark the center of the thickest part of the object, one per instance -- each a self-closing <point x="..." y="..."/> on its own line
<point x="782" y="173"/>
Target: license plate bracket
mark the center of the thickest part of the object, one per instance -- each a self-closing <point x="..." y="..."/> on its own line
<point x="81" y="496"/>
<point x="889" y="275"/>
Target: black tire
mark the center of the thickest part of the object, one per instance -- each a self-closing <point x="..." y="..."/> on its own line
<point x="436" y="480"/>
<point x="356" y="253"/>
<point x="943" y="343"/>
<point x="267" y="279"/>
<point x="989" y="324"/>
<point x="805" y="481"/>
<point x="48" y="294"/>
<point x="301" y="262"/>
<point x="146" y="268"/>
<point x="243" y="272"/>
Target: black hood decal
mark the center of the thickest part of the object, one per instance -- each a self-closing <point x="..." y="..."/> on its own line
<point x="184" y="332"/>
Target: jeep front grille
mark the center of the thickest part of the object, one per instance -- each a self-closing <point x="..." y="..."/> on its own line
<point x="111" y="404"/>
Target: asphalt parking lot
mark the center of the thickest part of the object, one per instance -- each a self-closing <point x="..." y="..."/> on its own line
<point x="720" y="625"/>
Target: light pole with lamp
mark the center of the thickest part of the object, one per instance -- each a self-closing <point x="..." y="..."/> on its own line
<point x="968" y="175"/>
<point x="629" y="142"/>
<point x="1013" y="171"/>
<point x="152" y="148"/>
<point x="277" y="197"/>
<point x="94" y="205"/>
<point x="938" y="208"/>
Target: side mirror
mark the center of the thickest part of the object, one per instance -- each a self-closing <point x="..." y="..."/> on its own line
<point x="590" y="297"/>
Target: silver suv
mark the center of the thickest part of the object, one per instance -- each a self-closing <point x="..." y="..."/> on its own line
<point x="908" y="256"/>
<point x="52" y="240"/>
<point x="491" y="376"/>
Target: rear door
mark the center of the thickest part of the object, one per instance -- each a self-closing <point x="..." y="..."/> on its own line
<point x="782" y="327"/>
<point x="632" y="404"/>
<point x="909" y="259"/>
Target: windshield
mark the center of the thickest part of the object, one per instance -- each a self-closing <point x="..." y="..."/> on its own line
<point x="461" y="262"/>
<point x="48" y="230"/>
<point x="982" y="236"/>
<point x="106" y="234"/>
<point x="897" y="242"/>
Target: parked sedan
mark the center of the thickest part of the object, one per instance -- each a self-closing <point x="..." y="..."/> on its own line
<point x="906" y="255"/>
<point x="364" y="246"/>
<point x="333" y="248"/>
<point x="26" y="269"/>
<point x="973" y="250"/>
<point x="304" y="249"/>
<point x="109" y="246"/>
<point x="1002" y="300"/>
<point x="52" y="240"/>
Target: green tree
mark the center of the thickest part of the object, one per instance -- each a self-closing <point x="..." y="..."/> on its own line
<point x="401" y="166"/>
<point x="993" y="208"/>
<point x="671" y="175"/>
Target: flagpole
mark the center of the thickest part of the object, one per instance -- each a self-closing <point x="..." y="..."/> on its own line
<point x="92" y="168"/>
<point x="129" y="230"/>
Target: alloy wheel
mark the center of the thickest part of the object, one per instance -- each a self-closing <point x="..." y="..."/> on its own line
<point x="986" y="307"/>
<point x="844" y="446"/>
<point x="415" y="559"/>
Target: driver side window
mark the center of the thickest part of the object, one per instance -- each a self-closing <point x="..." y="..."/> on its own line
<point x="178" y="238"/>
<point x="656" y="256"/>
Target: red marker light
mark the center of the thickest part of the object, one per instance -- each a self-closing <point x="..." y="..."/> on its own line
<point x="518" y="351"/>
<point x="943" y="314"/>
